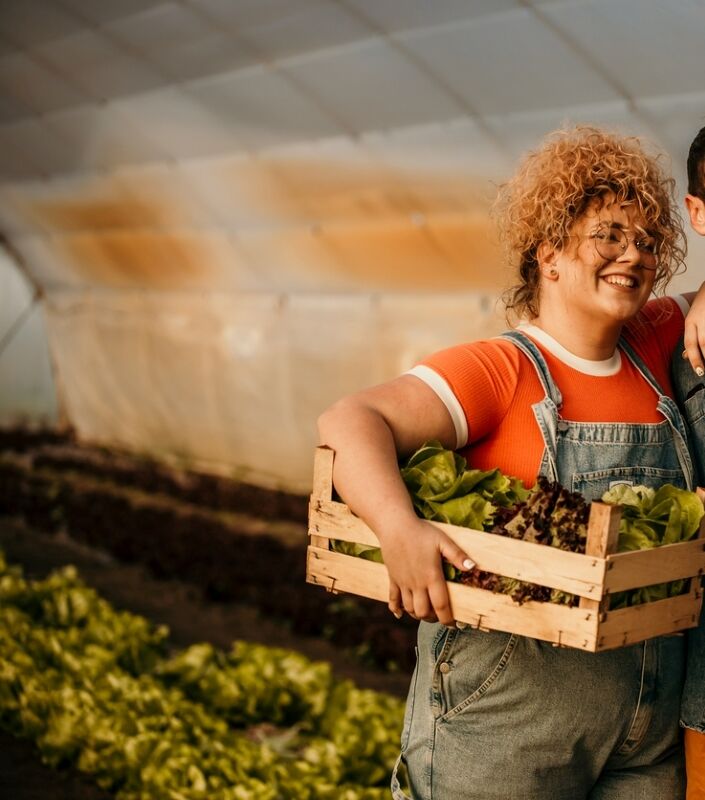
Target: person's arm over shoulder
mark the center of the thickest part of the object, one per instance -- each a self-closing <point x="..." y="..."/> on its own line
<point x="476" y="382"/>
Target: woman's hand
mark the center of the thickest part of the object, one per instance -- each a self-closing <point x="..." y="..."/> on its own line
<point x="694" y="334"/>
<point x="417" y="584"/>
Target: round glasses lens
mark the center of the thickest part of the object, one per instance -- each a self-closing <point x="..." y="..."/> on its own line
<point x="612" y="242"/>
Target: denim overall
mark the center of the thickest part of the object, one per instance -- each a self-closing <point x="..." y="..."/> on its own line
<point x="690" y="393"/>
<point x="497" y="716"/>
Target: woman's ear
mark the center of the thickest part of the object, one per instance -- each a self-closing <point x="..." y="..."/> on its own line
<point x="696" y="213"/>
<point x="546" y="257"/>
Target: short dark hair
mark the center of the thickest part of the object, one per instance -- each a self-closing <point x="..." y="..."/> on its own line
<point x="696" y="166"/>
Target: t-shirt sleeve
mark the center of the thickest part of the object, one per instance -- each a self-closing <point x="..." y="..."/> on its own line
<point x="476" y="381"/>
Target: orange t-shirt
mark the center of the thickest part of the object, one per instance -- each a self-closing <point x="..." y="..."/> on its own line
<point x="489" y="387"/>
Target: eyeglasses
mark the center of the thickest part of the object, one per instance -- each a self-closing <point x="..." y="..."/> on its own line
<point x="611" y="242"/>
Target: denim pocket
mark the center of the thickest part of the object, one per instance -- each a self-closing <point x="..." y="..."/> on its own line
<point x="594" y="484"/>
<point x="471" y="667"/>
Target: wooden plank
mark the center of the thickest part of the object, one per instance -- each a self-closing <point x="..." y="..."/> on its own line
<point x="550" y="622"/>
<point x="322" y="486"/>
<point x="339" y="572"/>
<point x="323" y="473"/>
<point x="527" y="561"/>
<point x="602" y="538"/>
<point x="336" y="521"/>
<point x="476" y="607"/>
<point x="603" y="529"/>
<point x="630" y="625"/>
<point x="645" y="567"/>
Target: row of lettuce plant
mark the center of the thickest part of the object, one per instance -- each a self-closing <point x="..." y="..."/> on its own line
<point x="97" y="690"/>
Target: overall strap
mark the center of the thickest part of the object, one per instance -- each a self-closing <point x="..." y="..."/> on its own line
<point x="532" y="352"/>
<point x="546" y="410"/>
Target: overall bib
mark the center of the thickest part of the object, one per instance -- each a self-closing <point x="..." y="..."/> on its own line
<point x="690" y="393"/>
<point x="501" y="716"/>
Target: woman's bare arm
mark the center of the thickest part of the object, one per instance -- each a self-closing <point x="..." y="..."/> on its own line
<point x="369" y="431"/>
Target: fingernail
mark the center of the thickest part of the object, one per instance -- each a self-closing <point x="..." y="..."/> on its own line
<point x="684" y="354"/>
<point x="397" y="614"/>
<point x="468" y="564"/>
<point x="699" y="371"/>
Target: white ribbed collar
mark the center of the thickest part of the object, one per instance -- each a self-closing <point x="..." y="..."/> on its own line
<point x="601" y="369"/>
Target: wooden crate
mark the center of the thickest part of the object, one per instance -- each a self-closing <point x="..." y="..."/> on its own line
<point x="593" y="576"/>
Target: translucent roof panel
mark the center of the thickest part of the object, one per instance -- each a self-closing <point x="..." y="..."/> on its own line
<point x="36" y="86"/>
<point x="179" y="125"/>
<point x="90" y="61"/>
<point x="370" y="86"/>
<point x="180" y="42"/>
<point x="32" y="21"/>
<point x="107" y="10"/>
<point x="39" y="152"/>
<point x="99" y="138"/>
<point x="262" y="108"/>
<point x="249" y="13"/>
<point x="391" y="15"/>
<point x="625" y="36"/>
<point x="305" y="29"/>
<point x="531" y="66"/>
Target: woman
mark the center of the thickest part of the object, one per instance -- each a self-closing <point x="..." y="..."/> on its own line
<point x="580" y="393"/>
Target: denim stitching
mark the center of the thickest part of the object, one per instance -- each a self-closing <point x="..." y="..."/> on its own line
<point x="487" y="683"/>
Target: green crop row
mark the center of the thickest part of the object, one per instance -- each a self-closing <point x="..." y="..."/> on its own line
<point x="95" y="689"/>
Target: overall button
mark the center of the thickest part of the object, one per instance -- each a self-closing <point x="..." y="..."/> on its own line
<point x="562" y="426"/>
<point x="444" y="667"/>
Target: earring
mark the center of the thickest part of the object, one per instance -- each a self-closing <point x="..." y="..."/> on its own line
<point x="553" y="272"/>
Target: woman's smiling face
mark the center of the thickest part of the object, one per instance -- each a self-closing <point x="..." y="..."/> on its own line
<point x="607" y="267"/>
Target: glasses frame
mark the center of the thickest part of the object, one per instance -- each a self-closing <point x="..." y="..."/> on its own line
<point x="611" y="251"/>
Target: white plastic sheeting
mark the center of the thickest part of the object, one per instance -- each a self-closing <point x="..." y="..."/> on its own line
<point x="27" y="392"/>
<point x="233" y="382"/>
<point x="239" y="210"/>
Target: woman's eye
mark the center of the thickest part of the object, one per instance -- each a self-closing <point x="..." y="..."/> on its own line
<point x="646" y="245"/>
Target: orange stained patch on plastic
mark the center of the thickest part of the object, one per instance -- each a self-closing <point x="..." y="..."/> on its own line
<point x="440" y="254"/>
<point x="101" y="213"/>
<point x="336" y="191"/>
<point x="302" y="222"/>
<point x="149" y="259"/>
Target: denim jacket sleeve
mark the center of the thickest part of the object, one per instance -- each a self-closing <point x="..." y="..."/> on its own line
<point x="690" y="396"/>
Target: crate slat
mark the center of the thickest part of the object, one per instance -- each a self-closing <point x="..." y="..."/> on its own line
<point x="669" y="562"/>
<point x="634" y="624"/>
<point x="526" y="561"/>
<point x="550" y="622"/>
<point x="475" y="607"/>
<point x="322" y="484"/>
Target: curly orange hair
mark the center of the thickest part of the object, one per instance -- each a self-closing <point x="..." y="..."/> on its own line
<point x="555" y="184"/>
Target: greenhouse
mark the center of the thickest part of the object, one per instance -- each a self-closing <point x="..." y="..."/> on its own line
<point x="217" y="218"/>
